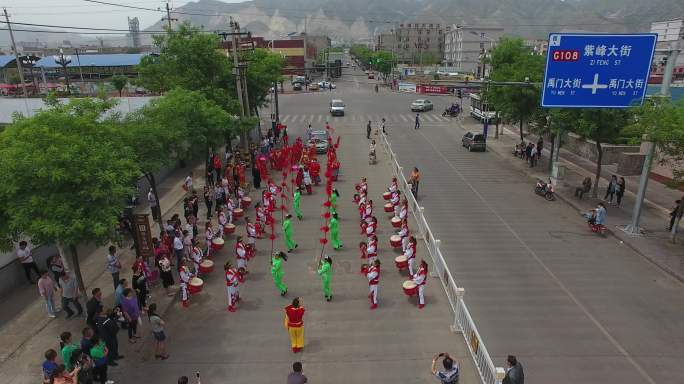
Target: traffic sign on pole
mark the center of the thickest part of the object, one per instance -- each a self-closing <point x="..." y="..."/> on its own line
<point x="597" y="70"/>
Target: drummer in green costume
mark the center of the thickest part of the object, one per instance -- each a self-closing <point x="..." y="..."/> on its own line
<point x="335" y="232"/>
<point x="287" y="230"/>
<point x="325" y="271"/>
<point x="333" y="201"/>
<point x="277" y="271"/>
<point x="295" y="203"/>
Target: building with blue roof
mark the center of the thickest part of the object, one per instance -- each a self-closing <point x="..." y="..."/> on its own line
<point x="118" y="60"/>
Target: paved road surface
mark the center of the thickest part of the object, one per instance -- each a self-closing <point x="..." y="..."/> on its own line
<point x="574" y="307"/>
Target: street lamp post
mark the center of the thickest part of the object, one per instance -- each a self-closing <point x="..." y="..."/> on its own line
<point x="64" y="61"/>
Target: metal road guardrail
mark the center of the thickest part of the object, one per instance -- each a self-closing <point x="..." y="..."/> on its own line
<point x="463" y="322"/>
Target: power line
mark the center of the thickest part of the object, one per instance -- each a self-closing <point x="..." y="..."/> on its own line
<point x="70" y="27"/>
<point x="77" y="32"/>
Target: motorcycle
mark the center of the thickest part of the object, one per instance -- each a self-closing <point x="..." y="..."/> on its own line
<point x="596" y="228"/>
<point x="545" y="189"/>
<point x="371" y="157"/>
<point x="452" y="112"/>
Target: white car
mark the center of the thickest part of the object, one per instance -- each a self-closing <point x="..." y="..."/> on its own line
<point x="326" y="84"/>
<point x="421" y="106"/>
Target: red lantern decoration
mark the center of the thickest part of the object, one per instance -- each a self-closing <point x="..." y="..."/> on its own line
<point x="327" y="215"/>
<point x="327" y="203"/>
<point x="323" y="241"/>
<point x="325" y="229"/>
<point x="272" y="237"/>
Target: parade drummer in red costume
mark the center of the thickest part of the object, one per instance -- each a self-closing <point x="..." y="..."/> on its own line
<point x="209" y="236"/>
<point x="232" y="284"/>
<point x="372" y="227"/>
<point x="403" y="212"/>
<point x="420" y="278"/>
<point x="373" y="276"/>
<point x="251" y="233"/>
<point x="196" y="256"/>
<point x="410" y="253"/>
<point x="368" y="212"/>
<point x="363" y="185"/>
<point x="395" y="200"/>
<point x="315" y="170"/>
<point x="372" y="249"/>
<point x="222" y="222"/>
<point x="240" y="253"/>
<point x="393" y="186"/>
<point x="260" y="216"/>
<point x="185" y="277"/>
<point x="404" y="234"/>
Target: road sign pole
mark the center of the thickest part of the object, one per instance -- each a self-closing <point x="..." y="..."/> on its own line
<point x="633" y="227"/>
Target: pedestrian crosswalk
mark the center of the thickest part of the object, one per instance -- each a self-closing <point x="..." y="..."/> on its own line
<point x="425" y="118"/>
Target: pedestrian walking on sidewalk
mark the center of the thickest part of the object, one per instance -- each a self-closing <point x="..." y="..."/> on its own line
<point x="277" y="271"/>
<point x="675" y="212"/>
<point x="154" y="205"/>
<point x="157" y="326"/>
<point x="296" y="202"/>
<point x="417" y="121"/>
<point x="382" y="124"/>
<point x="287" y="231"/>
<point x="533" y="155"/>
<point x="294" y="323"/>
<point x="70" y="294"/>
<point x="610" y="190"/>
<point x="26" y="259"/>
<point x="113" y="265"/>
<point x="620" y="188"/>
<point x="514" y="371"/>
<point x="325" y="271"/>
<point x="335" y="231"/>
<point x="296" y="376"/>
<point x="46" y="288"/>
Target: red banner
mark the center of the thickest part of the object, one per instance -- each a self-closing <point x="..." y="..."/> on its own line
<point x="432" y="89"/>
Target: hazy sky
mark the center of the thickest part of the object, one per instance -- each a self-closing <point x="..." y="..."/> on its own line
<point x="83" y="14"/>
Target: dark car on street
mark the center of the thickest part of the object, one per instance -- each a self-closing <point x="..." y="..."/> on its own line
<point x="474" y="142"/>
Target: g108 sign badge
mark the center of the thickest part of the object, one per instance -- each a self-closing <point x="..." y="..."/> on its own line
<point x="597" y="70"/>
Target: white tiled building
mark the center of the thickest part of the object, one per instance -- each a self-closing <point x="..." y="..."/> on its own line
<point x="465" y="45"/>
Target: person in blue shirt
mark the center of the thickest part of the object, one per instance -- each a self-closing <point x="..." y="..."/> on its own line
<point x="600" y="214"/>
<point x="119" y="292"/>
<point x="49" y="365"/>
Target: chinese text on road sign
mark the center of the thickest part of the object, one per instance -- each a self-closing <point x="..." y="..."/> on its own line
<point x="597" y="70"/>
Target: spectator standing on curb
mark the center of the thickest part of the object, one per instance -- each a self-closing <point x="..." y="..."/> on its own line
<point x="86" y="340"/>
<point x="93" y="307"/>
<point x="56" y="266"/>
<point x="26" y="259"/>
<point x="450" y="374"/>
<point x="100" y="354"/>
<point x="61" y="376"/>
<point x="46" y="288"/>
<point x="296" y="376"/>
<point x="49" y="365"/>
<point x="131" y="311"/>
<point x="610" y="190"/>
<point x="119" y="292"/>
<point x="208" y="202"/>
<point x="540" y="147"/>
<point x="368" y="129"/>
<point x="514" y="372"/>
<point x="67" y="347"/>
<point x="533" y="155"/>
<point x="108" y="329"/>
<point x="113" y="265"/>
<point x="154" y="205"/>
<point x="620" y="190"/>
<point x="70" y="295"/>
<point x="157" y="325"/>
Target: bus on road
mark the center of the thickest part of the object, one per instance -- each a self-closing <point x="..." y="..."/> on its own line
<point x="481" y="110"/>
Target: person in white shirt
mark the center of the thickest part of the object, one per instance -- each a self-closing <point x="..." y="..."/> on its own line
<point x="178" y="248"/>
<point x="26" y="259"/>
<point x="188" y="183"/>
<point x="154" y="205"/>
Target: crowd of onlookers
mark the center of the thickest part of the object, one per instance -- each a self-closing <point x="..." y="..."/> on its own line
<point x="530" y="152"/>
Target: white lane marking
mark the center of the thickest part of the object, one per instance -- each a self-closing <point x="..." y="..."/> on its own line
<point x="404" y="118"/>
<point x="284" y="119"/>
<point x="553" y="276"/>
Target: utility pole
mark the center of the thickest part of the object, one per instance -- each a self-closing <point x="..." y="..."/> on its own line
<point x="16" y="55"/>
<point x="633" y="227"/>
<point x="80" y="69"/>
<point x="237" y="72"/>
<point x="168" y="17"/>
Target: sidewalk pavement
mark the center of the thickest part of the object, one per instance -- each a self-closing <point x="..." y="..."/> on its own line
<point x="25" y="338"/>
<point x="654" y="245"/>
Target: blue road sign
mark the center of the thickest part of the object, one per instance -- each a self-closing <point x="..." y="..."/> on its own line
<point x="597" y="70"/>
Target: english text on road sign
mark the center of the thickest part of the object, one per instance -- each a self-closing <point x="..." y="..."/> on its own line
<point x="597" y="70"/>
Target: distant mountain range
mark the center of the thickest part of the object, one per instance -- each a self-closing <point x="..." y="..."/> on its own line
<point x="354" y="20"/>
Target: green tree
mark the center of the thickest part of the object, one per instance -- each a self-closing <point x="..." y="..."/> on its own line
<point x="189" y="58"/>
<point x="512" y="61"/>
<point x="264" y="69"/>
<point x="601" y="126"/>
<point x="119" y="82"/>
<point x="383" y="62"/>
<point x="65" y="177"/>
